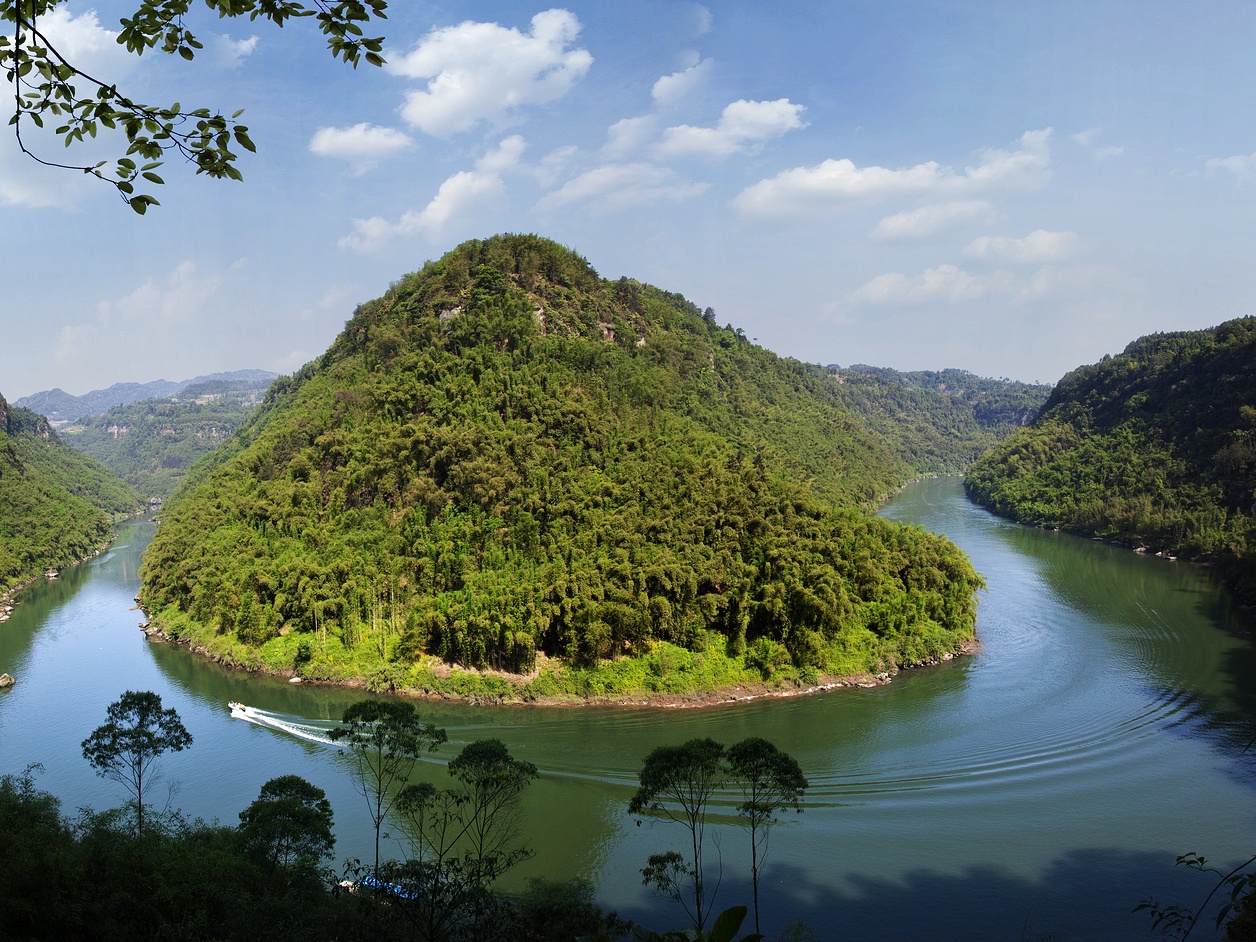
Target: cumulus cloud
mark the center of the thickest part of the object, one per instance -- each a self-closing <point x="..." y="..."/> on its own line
<point x="703" y="21"/>
<point x="932" y="219"/>
<point x="486" y="72"/>
<point x="670" y="89"/>
<point x="363" y="145"/>
<point x="944" y="283"/>
<point x="1241" y="165"/>
<point x="1039" y="246"/>
<point x="805" y="189"/>
<point x="743" y="128"/>
<point x="457" y="194"/>
<point x="629" y="135"/>
<point x="230" y="53"/>
<point x="617" y="186"/>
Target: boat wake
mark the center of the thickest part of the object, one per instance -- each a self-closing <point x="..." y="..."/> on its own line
<point x="311" y="731"/>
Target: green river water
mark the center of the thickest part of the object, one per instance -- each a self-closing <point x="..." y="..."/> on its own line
<point x="1039" y="788"/>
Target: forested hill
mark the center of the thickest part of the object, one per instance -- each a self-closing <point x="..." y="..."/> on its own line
<point x="1156" y="447"/>
<point x="938" y="421"/>
<point x="54" y="502"/>
<point x="507" y="454"/>
<point x="152" y="443"/>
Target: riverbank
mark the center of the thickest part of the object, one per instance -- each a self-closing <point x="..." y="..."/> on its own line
<point x="9" y="597"/>
<point x="667" y="677"/>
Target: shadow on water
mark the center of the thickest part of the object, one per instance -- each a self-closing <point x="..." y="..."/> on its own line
<point x="1083" y="895"/>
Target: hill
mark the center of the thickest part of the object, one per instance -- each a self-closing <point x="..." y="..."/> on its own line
<point x="55" y="504"/>
<point x="507" y="459"/>
<point x="152" y="443"/>
<point x="938" y="422"/>
<point x="1155" y="447"/>
<point x="60" y="408"/>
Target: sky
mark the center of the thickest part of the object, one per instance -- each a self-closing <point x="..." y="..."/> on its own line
<point x="1011" y="188"/>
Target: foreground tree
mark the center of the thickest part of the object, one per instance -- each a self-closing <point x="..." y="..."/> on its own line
<point x="386" y="739"/>
<point x="770" y="781"/>
<point x="465" y="836"/>
<point x="126" y="748"/>
<point x="289" y="825"/>
<point x="678" y="782"/>
<point x="48" y="84"/>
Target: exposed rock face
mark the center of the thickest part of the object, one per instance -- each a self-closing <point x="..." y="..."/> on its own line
<point x="6" y="680"/>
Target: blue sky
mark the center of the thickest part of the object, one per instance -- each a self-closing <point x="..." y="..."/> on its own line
<point x="1010" y="188"/>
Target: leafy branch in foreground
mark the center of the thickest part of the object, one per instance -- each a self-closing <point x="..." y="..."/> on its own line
<point x="1179" y="921"/>
<point x="46" y="82"/>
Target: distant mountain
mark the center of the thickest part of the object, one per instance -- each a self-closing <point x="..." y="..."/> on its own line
<point x="55" y="503"/>
<point x="1154" y="447"/>
<point x="152" y="443"/>
<point x="938" y="421"/>
<point x="60" y="408"/>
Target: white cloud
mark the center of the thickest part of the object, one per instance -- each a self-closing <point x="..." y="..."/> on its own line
<point x="146" y="316"/>
<point x="944" y="283"/>
<point x="554" y="163"/>
<point x="486" y="72"/>
<point x="617" y="186"/>
<point x="362" y="144"/>
<point x="670" y="89"/>
<point x="1088" y="138"/>
<point x="743" y="128"/>
<point x="808" y="189"/>
<point x="231" y="53"/>
<point x="703" y="21"/>
<point x="1241" y="165"/>
<point x="1039" y="246"/>
<point x="458" y="193"/>
<point x="932" y="219"/>
<point x="629" y="135"/>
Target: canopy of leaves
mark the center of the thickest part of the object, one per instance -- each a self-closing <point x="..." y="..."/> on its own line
<point x="1155" y="447"/>
<point x="507" y="455"/>
<point x="55" y="504"/>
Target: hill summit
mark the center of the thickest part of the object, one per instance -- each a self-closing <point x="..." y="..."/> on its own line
<point x="507" y="457"/>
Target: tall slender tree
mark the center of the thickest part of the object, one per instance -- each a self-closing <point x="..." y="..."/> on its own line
<point x="126" y="748"/>
<point x="678" y="782"/>
<point x="770" y="781"/>
<point x="386" y="739"/>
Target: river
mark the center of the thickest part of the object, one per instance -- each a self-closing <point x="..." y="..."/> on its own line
<point x="1037" y="789"/>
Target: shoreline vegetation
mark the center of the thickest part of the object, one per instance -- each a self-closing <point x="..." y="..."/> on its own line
<point x="668" y="677"/>
<point x="1154" y="449"/>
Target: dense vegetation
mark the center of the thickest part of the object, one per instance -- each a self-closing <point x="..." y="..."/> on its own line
<point x="938" y="422"/>
<point x="60" y="407"/>
<point x="1155" y="447"/>
<point x="152" y="443"/>
<point x="507" y="458"/>
<point x="55" y="504"/>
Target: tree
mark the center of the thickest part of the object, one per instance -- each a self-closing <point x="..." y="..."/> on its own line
<point x="770" y="781"/>
<point x="289" y="825"/>
<point x="386" y="740"/>
<point x="47" y="83"/>
<point x="126" y="748"/>
<point x="464" y="836"/>
<point x="678" y="782"/>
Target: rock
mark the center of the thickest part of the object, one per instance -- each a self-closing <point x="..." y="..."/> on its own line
<point x="6" y="680"/>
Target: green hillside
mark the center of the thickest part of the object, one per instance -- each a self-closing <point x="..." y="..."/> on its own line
<point x="55" y="504"/>
<point x="938" y="422"/>
<point x="152" y="443"/>
<point x="1155" y="447"/>
<point x="507" y="458"/>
